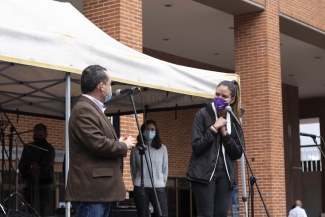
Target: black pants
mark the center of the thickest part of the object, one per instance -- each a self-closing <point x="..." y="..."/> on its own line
<point x="44" y="194"/>
<point x="213" y="199"/>
<point x="150" y="197"/>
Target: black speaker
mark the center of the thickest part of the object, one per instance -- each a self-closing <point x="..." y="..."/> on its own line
<point x="123" y="213"/>
<point x="16" y="213"/>
<point x="61" y="211"/>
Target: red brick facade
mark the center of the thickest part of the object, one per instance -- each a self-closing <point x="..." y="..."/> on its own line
<point x="309" y="12"/>
<point x="55" y="128"/>
<point x="257" y="61"/>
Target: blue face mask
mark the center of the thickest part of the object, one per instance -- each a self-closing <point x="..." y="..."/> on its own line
<point x="149" y="135"/>
<point x="109" y="96"/>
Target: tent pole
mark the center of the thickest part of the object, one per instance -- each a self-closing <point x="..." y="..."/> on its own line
<point x="67" y="116"/>
<point x="243" y="174"/>
<point x="242" y="166"/>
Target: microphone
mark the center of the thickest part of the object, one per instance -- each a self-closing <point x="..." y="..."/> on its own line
<point x="307" y="134"/>
<point x="229" y="110"/>
<point x="120" y="92"/>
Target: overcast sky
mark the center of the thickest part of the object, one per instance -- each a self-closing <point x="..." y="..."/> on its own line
<point x="311" y="126"/>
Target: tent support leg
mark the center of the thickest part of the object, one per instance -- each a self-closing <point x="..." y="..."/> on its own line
<point x="67" y="116"/>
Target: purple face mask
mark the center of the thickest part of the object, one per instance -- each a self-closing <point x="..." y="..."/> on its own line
<point x="220" y="104"/>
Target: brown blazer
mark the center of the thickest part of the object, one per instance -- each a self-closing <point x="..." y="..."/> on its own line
<point x="96" y="156"/>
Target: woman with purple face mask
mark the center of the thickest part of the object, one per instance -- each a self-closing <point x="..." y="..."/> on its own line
<point x="215" y="147"/>
<point x="157" y="152"/>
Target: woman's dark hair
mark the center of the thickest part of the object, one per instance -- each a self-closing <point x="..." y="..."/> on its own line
<point x="91" y="77"/>
<point x="156" y="142"/>
<point x="233" y="86"/>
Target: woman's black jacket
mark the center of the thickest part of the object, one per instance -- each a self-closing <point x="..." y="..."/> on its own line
<point x="205" y="146"/>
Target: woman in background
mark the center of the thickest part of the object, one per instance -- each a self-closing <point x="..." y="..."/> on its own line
<point x="159" y="159"/>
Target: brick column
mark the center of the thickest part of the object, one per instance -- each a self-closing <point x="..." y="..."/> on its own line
<point x="257" y="61"/>
<point x="121" y="20"/>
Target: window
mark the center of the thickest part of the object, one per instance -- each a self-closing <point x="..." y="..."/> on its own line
<point x="309" y="153"/>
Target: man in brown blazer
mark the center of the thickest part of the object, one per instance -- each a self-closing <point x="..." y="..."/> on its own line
<point x="96" y="154"/>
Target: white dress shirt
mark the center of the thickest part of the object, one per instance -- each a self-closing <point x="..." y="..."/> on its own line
<point x="100" y="105"/>
<point x="297" y="212"/>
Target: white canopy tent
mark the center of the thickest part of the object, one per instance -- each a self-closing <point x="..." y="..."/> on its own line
<point x="45" y="39"/>
<point x="45" y="45"/>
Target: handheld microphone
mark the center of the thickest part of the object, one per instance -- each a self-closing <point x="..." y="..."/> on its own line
<point x="307" y="134"/>
<point x="229" y="110"/>
<point x="120" y="92"/>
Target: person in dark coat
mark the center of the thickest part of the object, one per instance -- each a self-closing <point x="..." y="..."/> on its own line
<point x="36" y="167"/>
<point x="215" y="146"/>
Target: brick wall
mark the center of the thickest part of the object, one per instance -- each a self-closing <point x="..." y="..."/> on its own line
<point x="261" y="2"/>
<point x="129" y="127"/>
<point x="257" y="61"/>
<point x="55" y="128"/>
<point x="176" y="135"/>
<point x="309" y="12"/>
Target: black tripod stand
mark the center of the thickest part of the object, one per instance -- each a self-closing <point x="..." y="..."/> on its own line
<point x="2" y="139"/>
<point x="253" y="179"/>
<point x="18" y="196"/>
<point x="142" y="149"/>
<point x="16" y="193"/>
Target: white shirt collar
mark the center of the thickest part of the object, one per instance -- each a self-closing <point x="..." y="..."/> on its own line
<point x="100" y="105"/>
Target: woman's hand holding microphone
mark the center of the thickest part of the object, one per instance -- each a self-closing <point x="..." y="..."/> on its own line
<point x="220" y="125"/>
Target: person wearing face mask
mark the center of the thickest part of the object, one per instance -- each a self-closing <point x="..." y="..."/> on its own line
<point x="215" y="147"/>
<point x="38" y="164"/>
<point x="157" y="152"/>
<point x="95" y="176"/>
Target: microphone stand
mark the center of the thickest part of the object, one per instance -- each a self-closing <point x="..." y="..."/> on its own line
<point x="12" y="129"/>
<point x="2" y="138"/>
<point x="18" y="196"/>
<point x="314" y="138"/>
<point x="142" y="149"/>
<point x="252" y="179"/>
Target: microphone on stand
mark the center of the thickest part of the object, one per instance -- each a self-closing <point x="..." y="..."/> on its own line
<point x="307" y="134"/>
<point x="229" y="110"/>
<point x="120" y="92"/>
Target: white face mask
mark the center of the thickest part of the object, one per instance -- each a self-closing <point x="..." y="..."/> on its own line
<point x="149" y="135"/>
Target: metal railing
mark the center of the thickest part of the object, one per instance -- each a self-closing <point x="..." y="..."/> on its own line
<point x="311" y="160"/>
